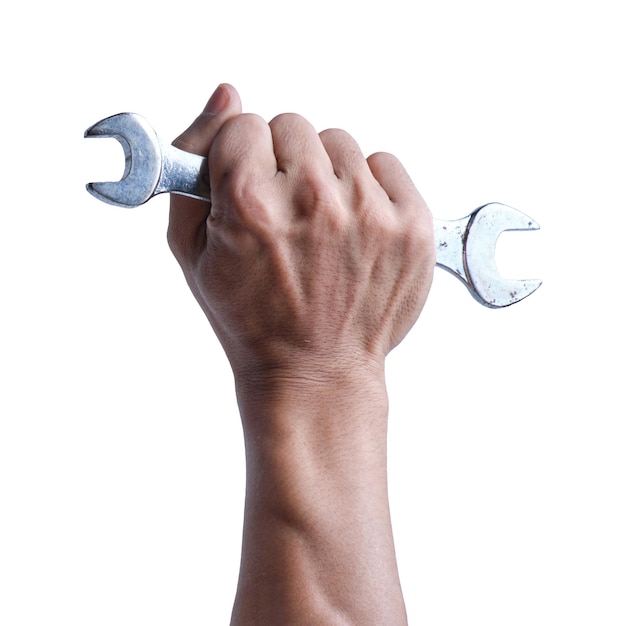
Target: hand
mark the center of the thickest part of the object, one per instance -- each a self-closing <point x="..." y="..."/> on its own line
<point x="311" y="262"/>
<point x="309" y="258"/>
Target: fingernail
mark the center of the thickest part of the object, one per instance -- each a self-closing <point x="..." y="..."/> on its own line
<point x="217" y="101"/>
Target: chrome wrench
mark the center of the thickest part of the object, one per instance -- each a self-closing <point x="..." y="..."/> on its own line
<point x="465" y="247"/>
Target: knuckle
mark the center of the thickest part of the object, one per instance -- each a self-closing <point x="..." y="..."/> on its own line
<point x="285" y="120"/>
<point x="234" y="136"/>
<point x="317" y="193"/>
<point x="336" y="136"/>
<point x="244" y="203"/>
<point x="243" y="121"/>
<point x="384" y="160"/>
<point x="409" y="233"/>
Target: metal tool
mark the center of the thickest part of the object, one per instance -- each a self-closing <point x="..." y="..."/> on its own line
<point x="465" y="247"/>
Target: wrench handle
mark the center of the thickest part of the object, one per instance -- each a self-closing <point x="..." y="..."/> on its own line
<point x="184" y="173"/>
<point x="450" y="245"/>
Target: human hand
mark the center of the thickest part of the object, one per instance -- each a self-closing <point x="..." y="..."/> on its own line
<point x="311" y="263"/>
<point x="310" y="258"/>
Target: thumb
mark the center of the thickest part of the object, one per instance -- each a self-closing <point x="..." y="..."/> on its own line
<point x="222" y="105"/>
<point x="187" y="215"/>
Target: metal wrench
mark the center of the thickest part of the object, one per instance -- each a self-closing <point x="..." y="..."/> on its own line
<point x="465" y="247"/>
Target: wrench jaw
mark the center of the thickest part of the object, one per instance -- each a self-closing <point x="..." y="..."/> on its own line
<point x="485" y="283"/>
<point x="143" y="155"/>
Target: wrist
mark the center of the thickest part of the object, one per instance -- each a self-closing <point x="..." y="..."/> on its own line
<point x="314" y="402"/>
<point x="317" y="501"/>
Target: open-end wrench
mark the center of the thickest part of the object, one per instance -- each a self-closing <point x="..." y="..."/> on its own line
<point x="465" y="247"/>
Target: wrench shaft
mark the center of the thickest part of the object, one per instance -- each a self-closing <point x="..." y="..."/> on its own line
<point x="184" y="173"/>
<point x="449" y="242"/>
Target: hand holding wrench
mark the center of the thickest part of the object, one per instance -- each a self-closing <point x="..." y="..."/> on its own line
<point x="465" y="247"/>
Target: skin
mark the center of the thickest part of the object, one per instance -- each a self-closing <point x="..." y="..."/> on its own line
<point x="311" y="263"/>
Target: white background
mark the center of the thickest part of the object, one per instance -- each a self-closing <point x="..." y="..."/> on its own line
<point x="121" y="466"/>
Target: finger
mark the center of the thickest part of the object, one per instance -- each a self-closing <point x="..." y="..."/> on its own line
<point x="241" y="153"/>
<point x="187" y="215"/>
<point x="298" y="146"/>
<point x="344" y="152"/>
<point x="393" y="178"/>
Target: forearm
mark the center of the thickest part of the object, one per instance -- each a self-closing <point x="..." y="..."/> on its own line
<point x="312" y="263"/>
<point x="318" y="545"/>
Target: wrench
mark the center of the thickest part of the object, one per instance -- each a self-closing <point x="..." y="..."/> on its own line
<point x="465" y="247"/>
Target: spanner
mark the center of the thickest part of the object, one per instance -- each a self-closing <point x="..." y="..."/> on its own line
<point x="465" y="247"/>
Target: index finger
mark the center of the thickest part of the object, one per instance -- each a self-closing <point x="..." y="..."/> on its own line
<point x="187" y="215"/>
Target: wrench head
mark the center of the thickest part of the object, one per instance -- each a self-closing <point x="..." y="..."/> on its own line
<point x="485" y="226"/>
<point x="144" y="160"/>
